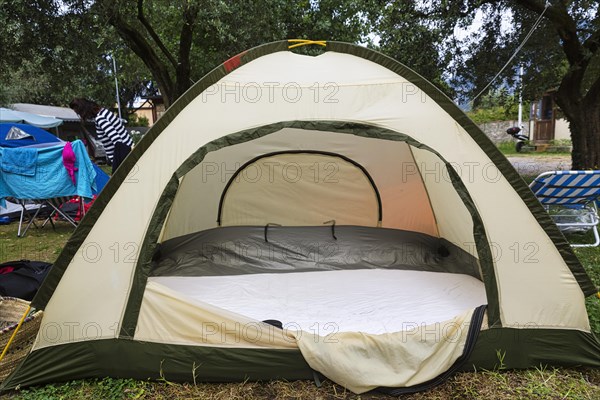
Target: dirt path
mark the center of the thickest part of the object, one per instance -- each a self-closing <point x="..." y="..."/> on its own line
<point x="534" y="165"/>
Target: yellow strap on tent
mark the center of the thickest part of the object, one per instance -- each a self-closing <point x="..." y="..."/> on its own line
<point x="305" y="42"/>
<point x="14" y="333"/>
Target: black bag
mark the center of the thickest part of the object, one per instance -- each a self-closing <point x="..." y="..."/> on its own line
<point x="22" y="278"/>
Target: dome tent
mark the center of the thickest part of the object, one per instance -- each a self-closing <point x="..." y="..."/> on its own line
<point x="29" y="135"/>
<point x="340" y="194"/>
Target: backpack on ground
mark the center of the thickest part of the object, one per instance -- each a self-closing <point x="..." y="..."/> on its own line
<point x="22" y="278"/>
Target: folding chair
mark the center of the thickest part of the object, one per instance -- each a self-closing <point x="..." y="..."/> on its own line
<point x="25" y="212"/>
<point x="54" y="204"/>
<point x="570" y="198"/>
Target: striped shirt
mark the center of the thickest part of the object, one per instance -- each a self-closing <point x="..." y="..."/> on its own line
<point x="110" y="131"/>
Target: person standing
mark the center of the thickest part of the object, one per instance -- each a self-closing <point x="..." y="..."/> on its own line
<point x="116" y="140"/>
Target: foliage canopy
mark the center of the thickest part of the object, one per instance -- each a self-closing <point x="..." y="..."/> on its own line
<point x="56" y="49"/>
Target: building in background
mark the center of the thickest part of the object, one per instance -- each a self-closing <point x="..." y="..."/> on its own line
<point x="151" y="107"/>
<point x="546" y="122"/>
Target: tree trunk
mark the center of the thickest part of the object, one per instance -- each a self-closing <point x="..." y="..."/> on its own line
<point x="591" y="132"/>
<point x="584" y="125"/>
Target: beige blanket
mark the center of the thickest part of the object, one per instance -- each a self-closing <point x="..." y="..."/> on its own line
<point x="363" y="362"/>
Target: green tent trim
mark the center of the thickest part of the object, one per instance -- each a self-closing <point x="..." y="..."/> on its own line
<point x="496" y="348"/>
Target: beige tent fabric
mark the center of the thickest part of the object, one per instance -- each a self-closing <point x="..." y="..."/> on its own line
<point x="363" y="362"/>
<point x="90" y="299"/>
<point x="167" y="316"/>
<point x="393" y="170"/>
<point x="301" y="189"/>
<point x="454" y="221"/>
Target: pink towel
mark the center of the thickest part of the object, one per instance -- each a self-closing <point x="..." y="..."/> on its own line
<point x="69" y="161"/>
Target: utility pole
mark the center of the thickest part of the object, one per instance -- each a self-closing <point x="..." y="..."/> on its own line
<point x="112" y="56"/>
<point x="520" y="124"/>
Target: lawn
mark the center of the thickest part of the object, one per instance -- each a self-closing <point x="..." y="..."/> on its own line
<point x="508" y="149"/>
<point x="543" y="382"/>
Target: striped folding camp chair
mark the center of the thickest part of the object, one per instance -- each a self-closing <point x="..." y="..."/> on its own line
<point x="570" y="197"/>
<point x="54" y="204"/>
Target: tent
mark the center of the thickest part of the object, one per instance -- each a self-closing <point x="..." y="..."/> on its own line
<point x="40" y="121"/>
<point x="293" y="215"/>
<point x="25" y="135"/>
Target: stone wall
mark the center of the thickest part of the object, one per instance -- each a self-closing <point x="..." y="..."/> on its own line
<point x="497" y="130"/>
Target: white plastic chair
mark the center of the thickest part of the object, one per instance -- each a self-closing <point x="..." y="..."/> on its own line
<point x="570" y="198"/>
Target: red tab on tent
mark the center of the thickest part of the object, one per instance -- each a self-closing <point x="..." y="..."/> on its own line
<point x="233" y="62"/>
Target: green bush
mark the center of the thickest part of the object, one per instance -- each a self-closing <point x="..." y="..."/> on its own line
<point x="135" y="120"/>
<point x="498" y="105"/>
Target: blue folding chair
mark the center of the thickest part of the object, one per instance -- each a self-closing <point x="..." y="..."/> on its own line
<point x="570" y="198"/>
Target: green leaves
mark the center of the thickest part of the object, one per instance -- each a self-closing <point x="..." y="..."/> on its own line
<point x="54" y="51"/>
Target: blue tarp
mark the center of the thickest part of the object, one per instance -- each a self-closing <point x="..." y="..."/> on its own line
<point x="7" y="115"/>
<point x="51" y="178"/>
<point x="40" y="136"/>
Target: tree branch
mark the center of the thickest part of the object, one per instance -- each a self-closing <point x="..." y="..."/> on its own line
<point x="142" y="48"/>
<point x="153" y="34"/>
<point x="190" y="13"/>
<point x="564" y="25"/>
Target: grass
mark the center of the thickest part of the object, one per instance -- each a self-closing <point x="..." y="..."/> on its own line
<point x="590" y="258"/>
<point x="38" y="244"/>
<point x="540" y="383"/>
<point x="508" y="149"/>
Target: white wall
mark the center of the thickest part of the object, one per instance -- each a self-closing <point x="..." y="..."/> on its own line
<point x="561" y="129"/>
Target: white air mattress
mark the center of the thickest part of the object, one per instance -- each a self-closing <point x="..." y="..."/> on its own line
<point x="371" y="301"/>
